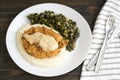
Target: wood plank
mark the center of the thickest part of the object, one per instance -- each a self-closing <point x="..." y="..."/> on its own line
<point x="89" y="9"/>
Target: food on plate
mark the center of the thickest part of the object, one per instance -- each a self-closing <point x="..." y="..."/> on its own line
<point x="41" y="46"/>
<point x="48" y="39"/>
<point x="66" y="27"/>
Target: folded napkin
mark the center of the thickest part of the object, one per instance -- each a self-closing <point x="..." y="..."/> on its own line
<point x="110" y="68"/>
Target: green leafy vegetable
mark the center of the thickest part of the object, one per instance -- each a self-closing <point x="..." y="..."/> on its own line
<point x="66" y="27"/>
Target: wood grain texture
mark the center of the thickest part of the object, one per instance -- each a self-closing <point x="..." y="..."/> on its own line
<point x="89" y="9"/>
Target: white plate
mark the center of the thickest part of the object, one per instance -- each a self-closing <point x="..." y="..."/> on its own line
<point x="73" y="60"/>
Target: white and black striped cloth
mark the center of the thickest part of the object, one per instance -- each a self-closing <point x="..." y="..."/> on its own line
<point x="110" y="68"/>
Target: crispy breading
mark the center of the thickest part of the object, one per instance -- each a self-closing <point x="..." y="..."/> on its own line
<point x="35" y="50"/>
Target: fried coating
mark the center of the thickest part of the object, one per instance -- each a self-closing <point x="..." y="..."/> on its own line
<point x="35" y="50"/>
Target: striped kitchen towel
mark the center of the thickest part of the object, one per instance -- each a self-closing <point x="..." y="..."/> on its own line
<point x="110" y="68"/>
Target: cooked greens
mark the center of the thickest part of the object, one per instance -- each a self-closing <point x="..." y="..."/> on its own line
<point x="66" y="27"/>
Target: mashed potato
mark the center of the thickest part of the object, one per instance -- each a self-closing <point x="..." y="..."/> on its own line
<point x="45" y="62"/>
